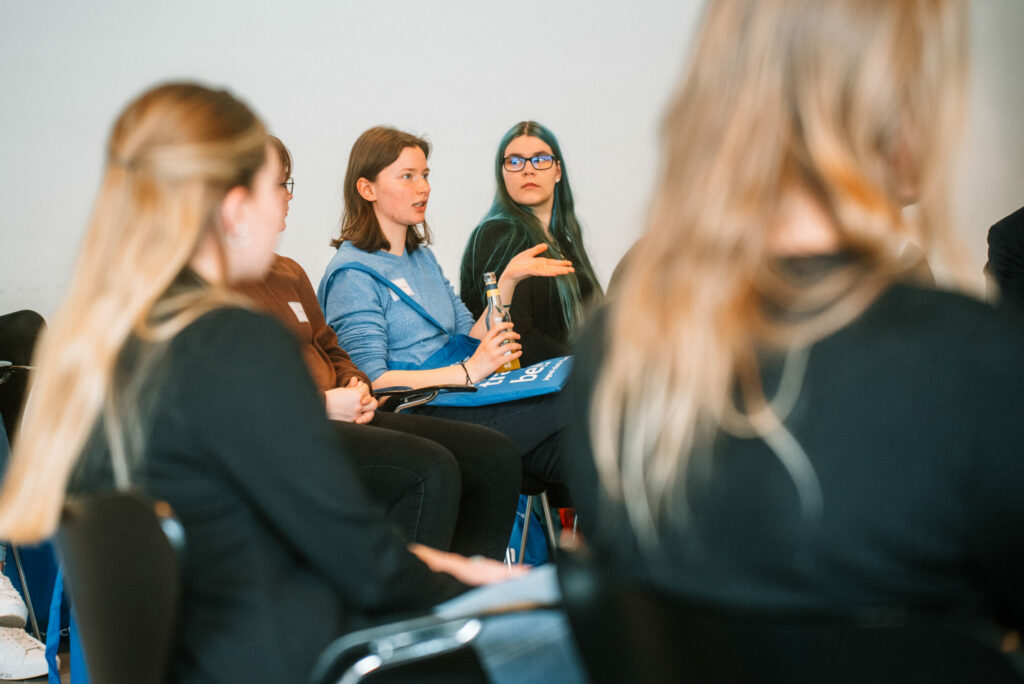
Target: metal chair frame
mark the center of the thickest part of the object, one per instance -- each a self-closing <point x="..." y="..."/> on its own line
<point x="409" y="397"/>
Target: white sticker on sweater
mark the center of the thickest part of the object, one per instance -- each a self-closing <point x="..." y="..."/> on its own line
<point x="300" y="313"/>
<point x="402" y="283"/>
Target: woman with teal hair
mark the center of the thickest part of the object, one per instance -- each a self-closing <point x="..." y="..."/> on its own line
<point x="532" y="205"/>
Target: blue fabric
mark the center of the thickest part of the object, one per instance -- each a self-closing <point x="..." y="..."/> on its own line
<point x="58" y="605"/>
<point x="375" y="326"/>
<point x="79" y="675"/>
<point x="534" y="646"/>
<point x="544" y="377"/>
<point x="53" y="629"/>
<point x="458" y="348"/>
<point x="536" y="540"/>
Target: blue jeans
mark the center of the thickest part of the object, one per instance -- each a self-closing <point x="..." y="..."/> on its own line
<point x="533" y="646"/>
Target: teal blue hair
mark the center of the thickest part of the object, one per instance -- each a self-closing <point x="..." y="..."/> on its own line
<point x="525" y="230"/>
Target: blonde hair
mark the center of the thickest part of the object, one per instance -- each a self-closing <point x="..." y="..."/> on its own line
<point x="172" y="156"/>
<point x="848" y="101"/>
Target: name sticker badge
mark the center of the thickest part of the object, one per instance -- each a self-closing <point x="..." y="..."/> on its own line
<point x="405" y="287"/>
<point x="300" y="313"/>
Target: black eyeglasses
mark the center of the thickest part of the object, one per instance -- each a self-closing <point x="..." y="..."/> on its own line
<point x="289" y="185"/>
<point x="540" y="162"/>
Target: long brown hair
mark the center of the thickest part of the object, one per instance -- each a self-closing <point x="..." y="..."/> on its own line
<point x="173" y="155"/>
<point x="840" y="99"/>
<point x="372" y="152"/>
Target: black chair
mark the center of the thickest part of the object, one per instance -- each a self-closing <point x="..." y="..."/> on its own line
<point x="19" y="332"/>
<point x="626" y="633"/>
<point x="121" y="562"/>
<point x="403" y="398"/>
<point x="423" y="649"/>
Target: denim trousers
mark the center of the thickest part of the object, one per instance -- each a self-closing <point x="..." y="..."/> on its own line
<point x="518" y="648"/>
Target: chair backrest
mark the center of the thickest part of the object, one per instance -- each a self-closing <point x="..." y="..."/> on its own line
<point x="426" y="649"/>
<point x="18" y="334"/>
<point x="626" y="633"/>
<point x="120" y="554"/>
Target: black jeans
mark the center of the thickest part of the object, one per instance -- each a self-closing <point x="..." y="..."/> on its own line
<point x="534" y="425"/>
<point x="445" y="484"/>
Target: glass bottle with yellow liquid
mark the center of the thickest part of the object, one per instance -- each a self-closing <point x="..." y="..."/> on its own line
<point x="497" y="313"/>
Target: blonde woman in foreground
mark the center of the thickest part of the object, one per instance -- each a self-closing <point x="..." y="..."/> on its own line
<point x="771" y="409"/>
<point x="146" y="380"/>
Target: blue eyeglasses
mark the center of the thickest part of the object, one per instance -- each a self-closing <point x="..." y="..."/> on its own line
<point x="540" y="162"/>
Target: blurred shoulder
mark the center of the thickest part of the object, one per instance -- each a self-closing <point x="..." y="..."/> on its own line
<point x="283" y="264"/>
<point x="958" y="327"/>
<point x="1008" y="229"/>
<point x="232" y="330"/>
<point x="496" y="231"/>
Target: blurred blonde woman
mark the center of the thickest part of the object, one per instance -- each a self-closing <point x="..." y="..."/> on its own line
<point x="773" y="410"/>
<point x="146" y="380"/>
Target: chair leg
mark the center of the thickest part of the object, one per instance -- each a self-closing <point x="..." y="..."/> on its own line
<point x="526" y="528"/>
<point x="552" y="540"/>
<point x="25" y="591"/>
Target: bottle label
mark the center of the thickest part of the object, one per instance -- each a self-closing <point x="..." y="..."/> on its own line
<point x="492" y="293"/>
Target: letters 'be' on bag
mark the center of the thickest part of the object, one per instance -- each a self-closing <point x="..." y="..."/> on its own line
<point x="545" y="377"/>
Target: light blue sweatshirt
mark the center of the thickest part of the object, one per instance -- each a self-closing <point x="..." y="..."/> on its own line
<point x="373" y="325"/>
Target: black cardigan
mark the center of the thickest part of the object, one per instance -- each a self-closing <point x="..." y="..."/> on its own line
<point x="535" y="309"/>
<point x="912" y="417"/>
<point x="284" y="552"/>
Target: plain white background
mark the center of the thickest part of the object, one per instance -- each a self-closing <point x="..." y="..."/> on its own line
<point x="599" y="74"/>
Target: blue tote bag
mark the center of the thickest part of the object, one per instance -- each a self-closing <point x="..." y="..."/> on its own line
<point x="543" y="377"/>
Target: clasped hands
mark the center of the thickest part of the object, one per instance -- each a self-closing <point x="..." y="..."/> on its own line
<point x="352" y="403"/>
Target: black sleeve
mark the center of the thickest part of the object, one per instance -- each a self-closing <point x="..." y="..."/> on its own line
<point x="534" y="309"/>
<point x="536" y="316"/>
<point x="490" y="247"/>
<point x="995" y="496"/>
<point x="583" y="479"/>
<point x="1006" y="258"/>
<point x="253" y="406"/>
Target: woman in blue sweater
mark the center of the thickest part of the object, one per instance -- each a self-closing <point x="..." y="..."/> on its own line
<point x="383" y="229"/>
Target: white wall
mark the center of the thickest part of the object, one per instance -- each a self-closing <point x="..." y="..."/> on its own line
<point x="597" y="73"/>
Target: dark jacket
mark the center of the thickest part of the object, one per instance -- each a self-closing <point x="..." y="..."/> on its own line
<point x="912" y="420"/>
<point x="283" y="550"/>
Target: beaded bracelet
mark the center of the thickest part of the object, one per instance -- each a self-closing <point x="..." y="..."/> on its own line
<point x="469" y="380"/>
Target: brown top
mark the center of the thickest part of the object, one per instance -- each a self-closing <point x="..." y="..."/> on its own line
<point x="287" y="293"/>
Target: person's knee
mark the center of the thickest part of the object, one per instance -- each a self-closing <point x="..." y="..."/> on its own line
<point x="507" y="462"/>
<point x="438" y="467"/>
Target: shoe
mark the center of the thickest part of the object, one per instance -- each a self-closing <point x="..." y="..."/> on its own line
<point x="12" y="608"/>
<point x="22" y="656"/>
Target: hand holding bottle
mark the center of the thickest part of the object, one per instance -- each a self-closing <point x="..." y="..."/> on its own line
<point x="491" y="354"/>
<point x="496" y="314"/>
